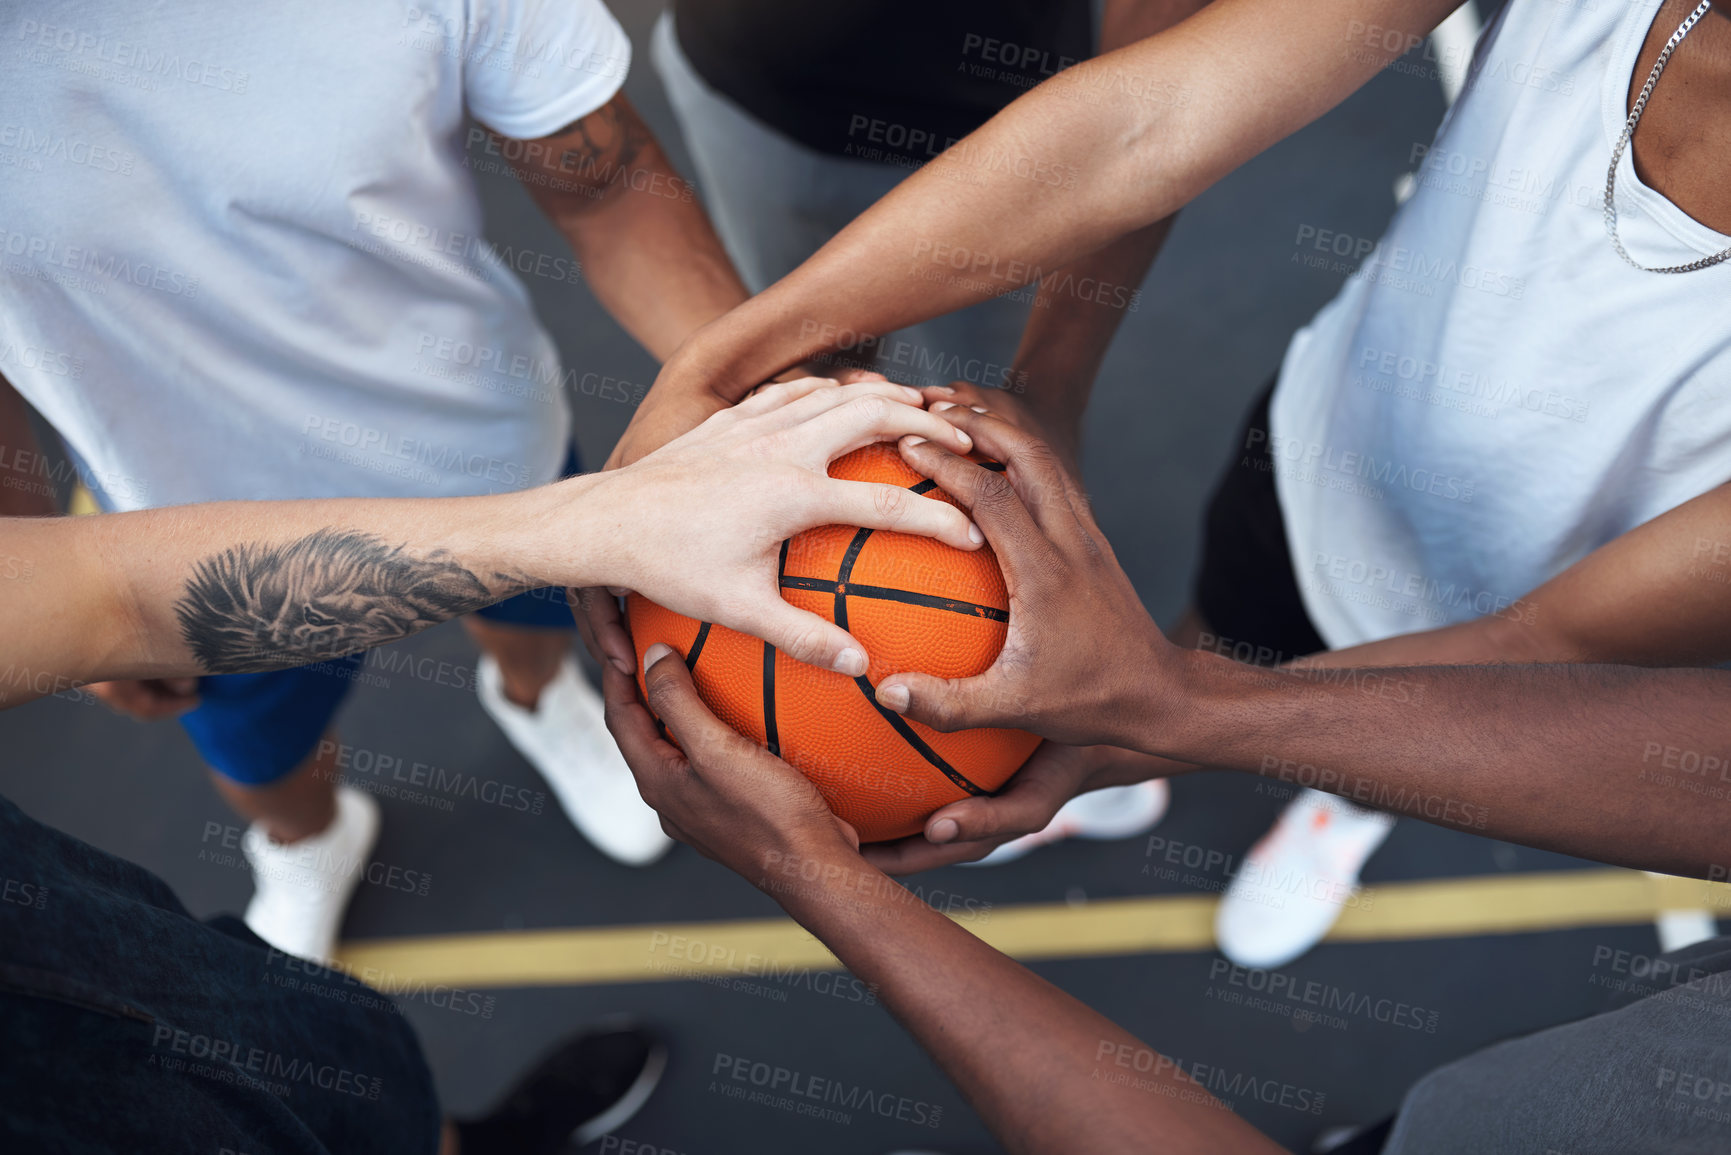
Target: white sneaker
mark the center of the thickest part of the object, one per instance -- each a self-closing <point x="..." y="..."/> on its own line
<point x="301" y="889"/>
<point x="1104" y="815"/>
<point x="1684" y="926"/>
<point x="1295" y="882"/>
<point x="565" y="737"/>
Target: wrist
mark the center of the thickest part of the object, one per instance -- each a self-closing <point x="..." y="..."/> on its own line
<point x="1054" y="401"/>
<point x="1055" y="417"/>
<point x="555" y="534"/>
<point x="807" y="875"/>
<point x="1194" y="707"/>
<point x="713" y="360"/>
<point x="687" y="375"/>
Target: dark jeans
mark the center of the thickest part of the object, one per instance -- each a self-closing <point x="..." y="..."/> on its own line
<point x="128" y="1025"/>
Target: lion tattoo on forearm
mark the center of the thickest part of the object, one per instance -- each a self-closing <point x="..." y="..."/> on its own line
<point x="323" y="596"/>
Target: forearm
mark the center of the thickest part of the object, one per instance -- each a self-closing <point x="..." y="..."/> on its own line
<point x="1653" y="596"/>
<point x="647" y="250"/>
<point x="653" y="260"/>
<point x="1145" y="128"/>
<point x="1576" y="759"/>
<point x="1568" y="620"/>
<point x="1074" y="317"/>
<point x="1078" y="311"/>
<point x="1479" y="642"/>
<point x="892" y="265"/>
<point x="240" y="586"/>
<point x="1048" y="1074"/>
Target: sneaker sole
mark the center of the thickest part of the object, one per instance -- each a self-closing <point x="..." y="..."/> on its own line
<point x="629" y="1103"/>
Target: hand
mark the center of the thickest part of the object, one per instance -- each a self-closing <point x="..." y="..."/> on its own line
<point x="148" y="699"/>
<point x="968" y="830"/>
<point x="718" y="792"/>
<point x="665" y="414"/>
<point x="668" y="413"/>
<point x="662" y="416"/>
<point x="1061" y="434"/>
<point x="698" y="525"/>
<point x="1082" y="662"/>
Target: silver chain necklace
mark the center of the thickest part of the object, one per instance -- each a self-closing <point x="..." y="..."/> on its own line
<point x="1639" y="107"/>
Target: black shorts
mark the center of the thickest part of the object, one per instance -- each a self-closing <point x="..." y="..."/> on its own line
<point x="1246" y="591"/>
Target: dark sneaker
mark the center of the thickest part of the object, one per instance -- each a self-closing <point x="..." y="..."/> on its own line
<point x="588" y="1085"/>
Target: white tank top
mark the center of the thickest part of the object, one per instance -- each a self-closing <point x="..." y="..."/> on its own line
<point x="1494" y="393"/>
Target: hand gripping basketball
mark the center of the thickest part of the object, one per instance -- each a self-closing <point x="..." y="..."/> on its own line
<point x="716" y="791"/>
<point x="913" y="602"/>
<point x="1082" y="661"/>
<point x="698" y="524"/>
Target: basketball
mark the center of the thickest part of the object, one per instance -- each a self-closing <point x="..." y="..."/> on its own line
<point x="915" y="604"/>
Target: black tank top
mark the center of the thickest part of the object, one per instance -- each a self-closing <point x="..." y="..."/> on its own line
<point x="889" y="80"/>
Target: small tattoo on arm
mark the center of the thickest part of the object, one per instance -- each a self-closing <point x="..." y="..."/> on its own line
<point x="604" y="143"/>
<point x="323" y="596"/>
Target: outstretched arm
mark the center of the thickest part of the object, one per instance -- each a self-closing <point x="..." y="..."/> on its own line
<point x="1566" y="758"/>
<point x="1584" y="760"/>
<point x="1147" y="127"/>
<point x="1047" y="1074"/>
<point x="239" y="586"/>
<point x="1079" y="307"/>
<point x="1653" y="597"/>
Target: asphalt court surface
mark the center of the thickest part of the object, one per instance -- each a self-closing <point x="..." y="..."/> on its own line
<point x="518" y="910"/>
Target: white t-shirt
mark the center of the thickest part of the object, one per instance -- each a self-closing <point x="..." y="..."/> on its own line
<point x="241" y="252"/>
<point x="1495" y="393"/>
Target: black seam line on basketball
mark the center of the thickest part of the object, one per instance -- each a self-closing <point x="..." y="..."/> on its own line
<point x="771" y="731"/>
<point x="906" y="597"/>
<point x="697" y="647"/>
<point x="848" y="560"/>
<point x="865" y="687"/>
<point x="928" y="484"/>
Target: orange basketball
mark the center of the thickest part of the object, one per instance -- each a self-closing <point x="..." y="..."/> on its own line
<point x="915" y="604"/>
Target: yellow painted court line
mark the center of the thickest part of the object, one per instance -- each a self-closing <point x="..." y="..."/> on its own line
<point x="1449" y="908"/>
<point x="609" y="954"/>
<point x="1520" y="903"/>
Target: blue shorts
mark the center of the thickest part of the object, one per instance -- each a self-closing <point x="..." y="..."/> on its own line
<point x="257" y="728"/>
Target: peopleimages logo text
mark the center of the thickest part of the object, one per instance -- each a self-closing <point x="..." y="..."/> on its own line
<point x="171" y="65"/>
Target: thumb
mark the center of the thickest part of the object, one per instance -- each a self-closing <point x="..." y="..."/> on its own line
<point x="855" y="376"/>
<point x="672" y="695"/>
<point x="1025" y="805"/>
<point x="942" y="703"/>
<point x="805" y="637"/>
<point x="602" y="628"/>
